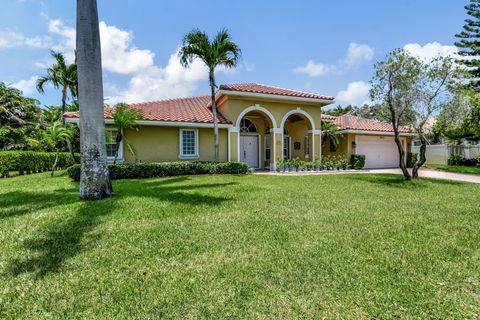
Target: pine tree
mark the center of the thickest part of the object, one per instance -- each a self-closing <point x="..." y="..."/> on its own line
<point x="469" y="43"/>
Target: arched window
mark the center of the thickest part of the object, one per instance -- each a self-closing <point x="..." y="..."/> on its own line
<point x="247" y="126"/>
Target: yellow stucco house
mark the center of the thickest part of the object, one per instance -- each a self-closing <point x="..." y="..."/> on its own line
<point x="258" y="124"/>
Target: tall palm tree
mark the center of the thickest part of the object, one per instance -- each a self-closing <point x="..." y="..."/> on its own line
<point x="61" y="75"/>
<point x="330" y="132"/>
<point x="124" y="117"/>
<point x="58" y="135"/>
<point x="220" y="51"/>
<point x="94" y="177"/>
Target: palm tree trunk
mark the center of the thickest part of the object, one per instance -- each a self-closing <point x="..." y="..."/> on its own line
<point x="214" y="112"/>
<point x="118" y="140"/>
<point x="94" y="178"/>
<point x="64" y="102"/>
<point x="55" y="162"/>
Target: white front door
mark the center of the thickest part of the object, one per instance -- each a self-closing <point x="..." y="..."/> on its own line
<point x="249" y="150"/>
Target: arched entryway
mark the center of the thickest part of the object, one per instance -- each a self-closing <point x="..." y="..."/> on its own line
<point x="255" y="139"/>
<point x="298" y="130"/>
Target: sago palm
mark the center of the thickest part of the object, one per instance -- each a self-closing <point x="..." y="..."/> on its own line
<point x="216" y="52"/>
<point x="330" y="132"/>
<point x="124" y="117"/>
<point x="62" y="76"/>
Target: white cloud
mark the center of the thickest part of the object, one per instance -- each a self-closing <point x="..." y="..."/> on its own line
<point x="156" y="83"/>
<point x="315" y="69"/>
<point x="118" y="53"/>
<point x="26" y="86"/>
<point x="68" y="39"/>
<point x="358" y="53"/>
<point x="148" y="81"/>
<point x="357" y="93"/>
<point x="11" y="39"/>
<point x="430" y="50"/>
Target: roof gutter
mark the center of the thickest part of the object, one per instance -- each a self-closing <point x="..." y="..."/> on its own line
<point x="383" y="133"/>
<point x="274" y="97"/>
<point x="162" y="123"/>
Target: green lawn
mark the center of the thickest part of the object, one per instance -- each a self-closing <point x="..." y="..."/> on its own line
<point x="325" y="246"/>
<point x="458" y="169"/>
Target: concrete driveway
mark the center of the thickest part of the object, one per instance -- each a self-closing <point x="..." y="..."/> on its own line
<point x="435" y="174"/>
<point x="424" y="173"/>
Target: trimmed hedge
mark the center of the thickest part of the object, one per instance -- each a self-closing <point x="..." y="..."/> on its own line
<point x="166" y="169"/>
<point x="357" y="161"/>
<point x="25" y="162"/>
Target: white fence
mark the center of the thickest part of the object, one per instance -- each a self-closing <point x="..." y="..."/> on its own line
<point x="439" y="153"/>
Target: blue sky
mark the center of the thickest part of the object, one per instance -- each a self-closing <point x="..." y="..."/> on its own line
<point x="326" y="47"/>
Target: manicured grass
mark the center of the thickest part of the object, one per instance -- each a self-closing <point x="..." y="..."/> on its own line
<point x="333" y="246"/>
<point x="458" y="169"/>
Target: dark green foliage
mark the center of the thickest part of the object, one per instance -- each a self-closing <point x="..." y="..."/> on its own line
<point x="411" y="159"/>
<point x="338" y="111"/>
<point x="454" y="160"/>
<point x="468" y="44"/>
<point x="166" y="169"/>
<point x="457" y="160"/>
<point x="357" y="161"/>
<point x="19" y="118"/>
<point x="31" y="162"/>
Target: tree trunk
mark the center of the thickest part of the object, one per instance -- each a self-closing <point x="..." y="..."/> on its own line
<point x="402" y="163"/>
<point x="55" y="162"/>
<point x="214" y="111"/>
<point x="118" y="140"/>
<point x="94" y="178"/>
<point x="70" y="148"/>
<point x="422" y="159"/>
<point x="64" y="102"/>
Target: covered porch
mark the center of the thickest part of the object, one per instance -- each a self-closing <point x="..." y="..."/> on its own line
<point x="260" y="139"/>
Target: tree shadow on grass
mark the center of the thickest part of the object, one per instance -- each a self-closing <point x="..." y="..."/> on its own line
<point x="61" y="239"/>
<point x="397" y="181"/>
<point x="175" y="191"/>
<point x="17" y="203"/>
<point x="67" y="236"/>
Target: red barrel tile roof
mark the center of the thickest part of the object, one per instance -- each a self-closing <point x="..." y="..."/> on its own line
<point x="264" y="89"/>
<point x="194" y="109"/>
<point x="349" y="122"/>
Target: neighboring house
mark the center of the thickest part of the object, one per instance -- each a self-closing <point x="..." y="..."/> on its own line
<point x="258" y="124"/>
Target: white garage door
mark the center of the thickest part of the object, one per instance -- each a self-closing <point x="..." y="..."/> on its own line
<point x="379" y="151"/>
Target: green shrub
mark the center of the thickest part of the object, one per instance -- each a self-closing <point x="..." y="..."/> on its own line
<point x="357" y="161"/>
<point x="455" y="160"/>
<point x="25" y="162"/>
<point x="411" y="159"/>
<point x="74" y="172"/>
<point x="166" y="169"/>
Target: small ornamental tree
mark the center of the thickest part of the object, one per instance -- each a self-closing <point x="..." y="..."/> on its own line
<point x="330" y="132"/>
<point x="394" y="87"/>
<point x="435" y="89"/>
<point x="124" y="117"/>
<point x="58" y="135"/>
